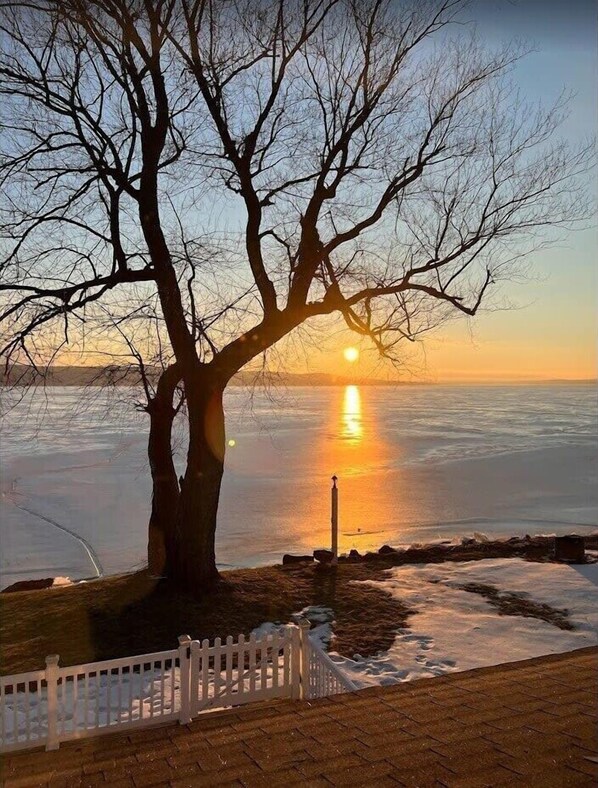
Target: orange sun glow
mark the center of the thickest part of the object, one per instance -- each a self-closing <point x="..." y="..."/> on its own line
<point x="351" y="354"/>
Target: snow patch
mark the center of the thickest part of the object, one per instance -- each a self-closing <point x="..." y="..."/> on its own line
<point x="322" y="620"/>
<point x="455" y="630"/>
<point x="320" y="617"/>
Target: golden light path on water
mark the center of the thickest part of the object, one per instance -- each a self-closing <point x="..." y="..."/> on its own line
<point x="351" y="445"/>
<point x="352" y="421"/>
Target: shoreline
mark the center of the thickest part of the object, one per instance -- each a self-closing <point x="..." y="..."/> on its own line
<point x="537" y="547"/>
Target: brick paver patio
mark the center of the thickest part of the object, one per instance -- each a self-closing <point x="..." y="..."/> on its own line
<point x="530" y="723"/>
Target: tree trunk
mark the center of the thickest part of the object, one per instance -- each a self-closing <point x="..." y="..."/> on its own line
<point x="192" y="559"/>
<point x="165" y="487"/>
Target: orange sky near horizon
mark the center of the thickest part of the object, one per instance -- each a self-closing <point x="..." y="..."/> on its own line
<point x="506" y="346"/>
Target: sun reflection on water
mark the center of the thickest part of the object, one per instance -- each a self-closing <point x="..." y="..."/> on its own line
<point x="352" y="417"/>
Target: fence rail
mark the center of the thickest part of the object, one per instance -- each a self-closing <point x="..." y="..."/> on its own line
<point x="324" y="677"/>
<point x="57" y="704"/>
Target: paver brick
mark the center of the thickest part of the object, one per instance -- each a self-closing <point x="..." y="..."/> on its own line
<point x="419" y="760"/>
<point x="225" y="777"/>
<point x="283" y="778"/>
<point x="369" y="774"/>
<point x="278" y="762"/>
<point x="492" y="777"/>
<point x="314" y="768"/>
<point x="158" y="778"/>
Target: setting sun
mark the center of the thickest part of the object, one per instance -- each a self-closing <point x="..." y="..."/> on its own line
<point x="351" y="354"/>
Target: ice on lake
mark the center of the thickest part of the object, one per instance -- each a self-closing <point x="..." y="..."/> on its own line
<point x="416" y="463"/>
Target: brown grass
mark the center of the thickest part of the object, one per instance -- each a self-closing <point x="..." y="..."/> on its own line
<point x="509" y="603"/>
<point x="133" y="614"/>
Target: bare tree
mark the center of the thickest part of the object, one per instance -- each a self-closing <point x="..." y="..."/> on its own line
<point x="226" y="171"/>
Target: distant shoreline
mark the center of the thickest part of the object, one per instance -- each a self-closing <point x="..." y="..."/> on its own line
<point x="126" y="377"/>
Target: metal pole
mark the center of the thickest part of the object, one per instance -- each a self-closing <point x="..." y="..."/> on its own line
<point x="334" y="519"/>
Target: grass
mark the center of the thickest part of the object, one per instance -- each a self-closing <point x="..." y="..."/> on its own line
<point x="509" y="603"/>
<point x="134" y="614"/>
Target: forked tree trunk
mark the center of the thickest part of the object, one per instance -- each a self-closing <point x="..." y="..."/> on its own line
<point x="191" y="561"/>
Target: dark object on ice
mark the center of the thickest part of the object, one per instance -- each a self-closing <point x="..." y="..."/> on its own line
<point x="296" y="559"/>
<point x="386" y="550"/>
<point x="323" y="556"/>
<point x="29" y="585"/>
<point x="354" y="553"/>
<point x="569" y="548"/>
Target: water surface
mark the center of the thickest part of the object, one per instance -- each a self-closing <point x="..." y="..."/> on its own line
<point x="415" y="463"/>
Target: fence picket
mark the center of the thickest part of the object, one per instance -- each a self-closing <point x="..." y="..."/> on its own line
<point x="109" y="695"/>
<point x="131" y="677"/>
<point x="252" y="663"/>
<point x="264" y="664"/>
<point x="274" y="660"/>
<point x="229" y="661"/>
<point x="15" y="718"/>
<point x="286" y="653"/>
<point x="205" y="671"/>
<point x="162" y="678"/>
<point x="172" y="698"/>
<point x="241" y="670"/>
<point x="217" y="660"/>
<point x="119" y="695"/>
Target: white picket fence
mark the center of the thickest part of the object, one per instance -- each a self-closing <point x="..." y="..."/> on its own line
<point x="48" y="706"/>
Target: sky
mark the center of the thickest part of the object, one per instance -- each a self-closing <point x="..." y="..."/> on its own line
<point x="551" y="330"/>
<point x="550" y="327"/>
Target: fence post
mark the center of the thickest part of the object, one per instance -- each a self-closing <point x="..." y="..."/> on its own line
<point x="53" y="741"/>
<point x="304" y="626"/>
<point x="185" y="679"/>
<point x="295" y="634"/>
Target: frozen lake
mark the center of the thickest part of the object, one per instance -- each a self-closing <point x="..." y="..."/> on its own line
<point x="416" y="463"/>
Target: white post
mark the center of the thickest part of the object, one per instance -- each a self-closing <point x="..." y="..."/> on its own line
<point x="295" y="662"/>
<point x="334" y="519"/>
<point x="304" y="626"/>
<point x="185" y="679"/>
<point x="52" y="695"/>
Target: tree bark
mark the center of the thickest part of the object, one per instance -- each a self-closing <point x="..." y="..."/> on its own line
<point x="165" y="486"/>
<point x="191" y="559"/>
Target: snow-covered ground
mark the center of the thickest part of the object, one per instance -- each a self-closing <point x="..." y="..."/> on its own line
<point x="455" y="630"/>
